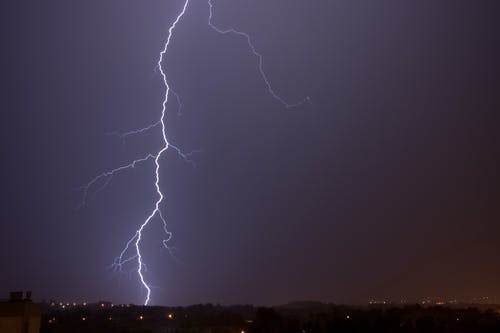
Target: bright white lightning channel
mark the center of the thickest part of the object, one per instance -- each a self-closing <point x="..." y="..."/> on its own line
<point x="104" y="178"/>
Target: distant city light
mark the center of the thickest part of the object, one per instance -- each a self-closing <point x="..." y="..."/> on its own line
<point x="170" y="315"/>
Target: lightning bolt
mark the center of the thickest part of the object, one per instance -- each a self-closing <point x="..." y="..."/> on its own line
<point x="99" y="182"/>
<point x="156" y="210"/>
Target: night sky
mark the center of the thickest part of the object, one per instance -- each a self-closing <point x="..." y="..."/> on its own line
<point x="385" y="186"/>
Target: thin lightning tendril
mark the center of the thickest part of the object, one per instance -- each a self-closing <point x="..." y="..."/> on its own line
<point x="270" y="89"/>
<point x="136" y="131"/>
<point x="102" y="180"/>
<point x="126" y="134"/>
<point x="106" y="176"/>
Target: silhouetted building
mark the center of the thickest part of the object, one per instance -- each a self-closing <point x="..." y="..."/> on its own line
<point x="20" y="315"/>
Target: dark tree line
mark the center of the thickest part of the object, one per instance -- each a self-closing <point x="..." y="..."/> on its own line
<point x="209" y="318"/>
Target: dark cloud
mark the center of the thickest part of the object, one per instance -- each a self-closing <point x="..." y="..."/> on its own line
<point x="386" y="185"/>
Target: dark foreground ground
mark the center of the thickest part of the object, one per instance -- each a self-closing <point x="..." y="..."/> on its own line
<point x="297" y="317"/>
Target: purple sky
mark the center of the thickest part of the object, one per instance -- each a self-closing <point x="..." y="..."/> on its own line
<point x="386" y="185"/>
